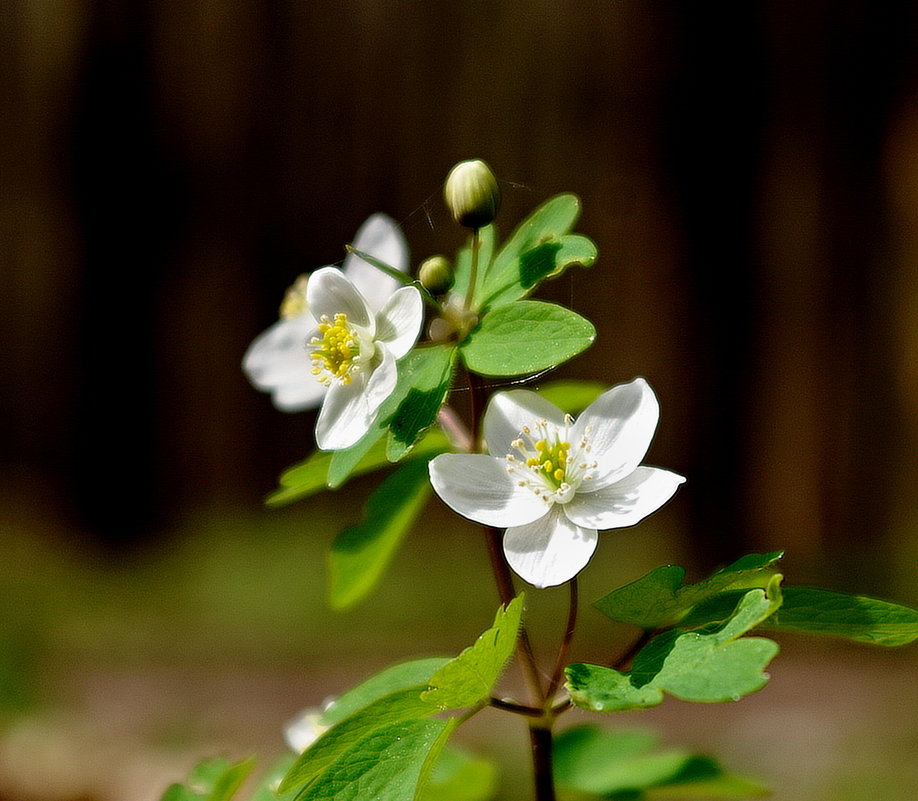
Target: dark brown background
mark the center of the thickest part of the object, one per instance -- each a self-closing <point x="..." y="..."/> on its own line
<point x="747" y="170"/>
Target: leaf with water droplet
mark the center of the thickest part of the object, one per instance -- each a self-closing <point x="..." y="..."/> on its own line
<point x="708" y="665"/>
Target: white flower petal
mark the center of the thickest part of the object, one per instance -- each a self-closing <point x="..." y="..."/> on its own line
<point x="278" y="361"/>
<point x="399" y="322"/>
<point x="549" y="551"/>
<point x="619" y="426"/>
<point x="480" y="488"/>
<point x="381" y="383"/>
<point x="298" y="396"/>
<point x="508" y="412"/>
<point x="345" y="416"/>
<point x="329" y="293"/>
<point x="381" y="237"/>
<point x="626" y="502"/>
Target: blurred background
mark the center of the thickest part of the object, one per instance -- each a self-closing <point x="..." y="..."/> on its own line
<point x="749" y="173"/>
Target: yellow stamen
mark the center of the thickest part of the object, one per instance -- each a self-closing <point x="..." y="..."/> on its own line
<point x="294" y="302"/>
<point x="334" y="353"/>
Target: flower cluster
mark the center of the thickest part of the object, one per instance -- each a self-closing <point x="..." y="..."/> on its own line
<point x="550" y="481"/>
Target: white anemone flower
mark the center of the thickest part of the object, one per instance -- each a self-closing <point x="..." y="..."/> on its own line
<point x="278" y="360"/>
<point x="553" y="482"/>
<point x="355" y="351"/>
<point x="305" y="728"/>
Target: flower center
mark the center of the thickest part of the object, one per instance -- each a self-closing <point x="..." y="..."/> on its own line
<point x="550" y="459"/>
<point x="336" y="353"/>
<point x="549" y="466"/>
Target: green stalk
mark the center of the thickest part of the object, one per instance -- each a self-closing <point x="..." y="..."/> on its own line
<point x="473" y="270"/>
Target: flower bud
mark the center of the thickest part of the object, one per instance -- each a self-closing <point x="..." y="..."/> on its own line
<point x="472" y="194"/>
<point x="436" y="275"/>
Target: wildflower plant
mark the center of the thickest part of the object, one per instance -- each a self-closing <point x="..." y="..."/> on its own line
<point x="542" y="470"/>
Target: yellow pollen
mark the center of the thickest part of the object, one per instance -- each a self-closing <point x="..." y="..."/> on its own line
<point x="551" y="461"/>
<point x="334" y="353"/>
<point x="294" y="303"/>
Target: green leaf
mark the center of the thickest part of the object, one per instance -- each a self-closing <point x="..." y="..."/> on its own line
<point x="360" y="554"/>
<point x="708" y="665"/>
<point x="418" y="409"/>
<point x="212" y="780"/>
<point x="535" y="249"/>
<point x="420" y="369"/>
<point x="456" y="776"/>
<point x="396" y="707"/>
<point x="525" y="337"/>
<point x="308" y="477"/>
<point x="390" y="764"/>
<point x="265" y="790"/>
<point x="571" y="396"/>
<point x="853" y="617"/>
<point x="468" y="679"/>
<point x="659" y="599"/>
<point x="400" y="676"/>
<point x="624" y="765"/>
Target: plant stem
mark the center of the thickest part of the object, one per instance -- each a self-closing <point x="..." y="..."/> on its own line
<point x="517" y="709"/>
<point x="499" y="564"/>
<point x="542" y="711"/>
<point x="473" y="270"/>
<point x="566" y="642"/>
<point x="540" y="738"/>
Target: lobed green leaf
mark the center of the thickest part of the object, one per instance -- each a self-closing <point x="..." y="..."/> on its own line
<point x="468" y="679"/>
<point x="659" y="599"/>
<point x="418" y="409"/>
<point x="524" y="337"/>
<point x="708" y="665"/>
<point x="624" y="765"/>
<point x="360" y="554"/>
<point x="532" y="252"/>
<point x="853" y="617"/>
<point x="389" y="764"/>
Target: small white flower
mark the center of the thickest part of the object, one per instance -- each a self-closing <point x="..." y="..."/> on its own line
<point x="278" y="360"/>
<point x="305" y="728"/>
<point x="553" y="482"/>
<point x="355" y="351"/>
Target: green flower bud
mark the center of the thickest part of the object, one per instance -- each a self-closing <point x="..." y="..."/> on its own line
<point x="436" y="275"/>
<point x="472" y="194"/>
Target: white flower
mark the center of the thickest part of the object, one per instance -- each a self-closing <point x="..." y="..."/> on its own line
<point x="278" y="360"/>
<point x="305" y="728"/>
<point x="355" y="351"/>
<point x="553" y="482"/>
